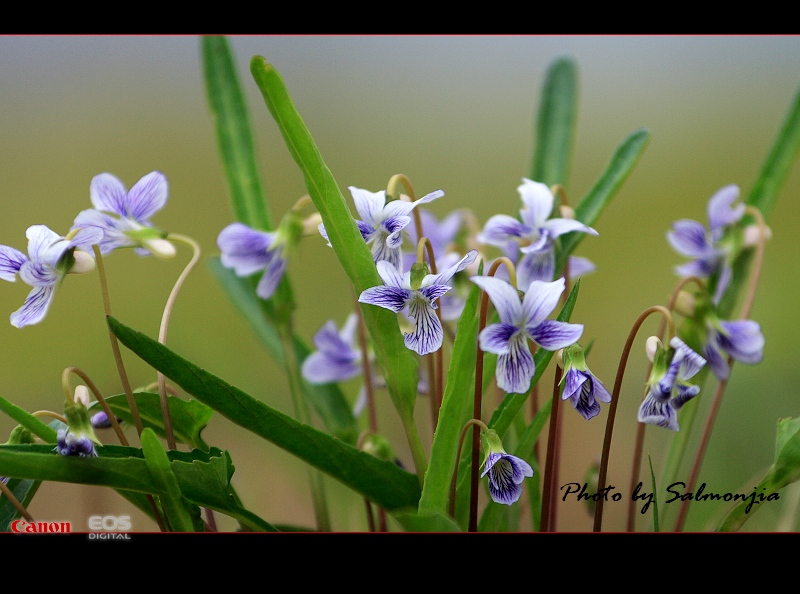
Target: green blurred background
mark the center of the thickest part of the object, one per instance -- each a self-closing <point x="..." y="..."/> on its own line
<point x="451" y="112"/>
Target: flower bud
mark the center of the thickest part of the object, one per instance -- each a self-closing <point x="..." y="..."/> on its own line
<point x="752" y="235"/>
<point x="651" y="346"/>
<point x="160" y="248"/>
<point x="311" y="224"/>
<point x="685" y="304"/>
<point x="81" y="395"/>
<point x="567" y="212"/>
<point x="82" y="264"/>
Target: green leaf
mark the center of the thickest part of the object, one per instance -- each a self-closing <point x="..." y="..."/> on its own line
<point x="189" y="418"/>
<point x="590" y="207"/>
<point x="426" y="521"/>
<point x="556" y="123"/>
<point x="203" y="477"/>
<point x="169" y="493"/>
<point x="23" y="490"/>
<point x="397" y="362"/>
<point x="234" y="132"/>
<point x="327" y="399"/>
<point x="28" y="421"/>
<point x="381" y="481"/>
<point x="655" y="495"/>
<point x="455" y="411"/>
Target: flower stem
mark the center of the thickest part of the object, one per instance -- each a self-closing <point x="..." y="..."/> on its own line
<point x="304" y="416"/>
<point x="382" y="527"/>
<point x="15" y="502"/>
<point x="478" y="394"/>
<point x="368" y="386"/>
<point x="717" y="401"/>
<point x="162" y="332"/>
<point x="640" y="429"/>
<point x="103" y="404"/>
<point x="479" y="425"/>
<point x="123" y="375"/>
<point x="547" y="523"/>
<point x="612" y="409"/>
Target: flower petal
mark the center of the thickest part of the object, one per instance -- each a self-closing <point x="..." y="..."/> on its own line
<point x="444" y="277"/>
<point x="553" y="335"/>
<point x="742" y="340"/>
<point x="244" y="249"/>
<point x="720" y="211"/>
<point x="392" y="298"/>
<point x="108" y="193"/>
<point x="541" y="298"/>
<point x="428" y="333"/>
<point x="389" y="274"/>
<point x="369" y="205"/>
<point x="536" y="266"/>
<point x="689" y="238"/>
<point x="321" y="368"/>
<point x="500" y="229"/>
<point x="504" y="297"/>
<point x="558" y="227"/>
<point x="654" y="411"/>
<point x="147" y="196"/>
<point x="276" y="266"/>
<point x="716" y="361"/>
<point x="579" y="266"/>
<point x="538" y="202"/>
<point x="515" y="368"/>
<point x="35" y="307"/>
<point x="495" y="338"/>
<point x="10" y="262"/>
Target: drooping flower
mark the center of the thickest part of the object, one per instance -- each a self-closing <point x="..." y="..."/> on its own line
<point x="741" y="339"/>
<point x="78" y="438"/>
<point x="124" y="216"/>
<point x="667" y="388"/>
<point x="419" y="295"/>
<point x="247" y="251"/>
<point x="506" y="472"/>
<point x="50" y="257"/>
<point x="581" y="387"/>
<point x="519" y="321"/>
<point x="712" y="249"/>
<point x="382" y="222"/>
<point x="535" y="233"/>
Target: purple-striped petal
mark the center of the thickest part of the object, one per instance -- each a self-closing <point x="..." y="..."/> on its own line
<point x="428" y="333"/>
<point x="541" y="298"/>
<point x="504" y="297"/>
<point x="538" y="202"/>
<point x="500" y="229"/>
<point x="392" y="298"/>
<point x="558" y="227"/>
<point x="689" y="238"/>
<point x="108" y="193"/>
<point x="654" y="411"/>
<point x="495" y="338"/>
<point x="10" y="262"/>
<point x="147" y="196"/>
<point x="553" y="335"/>
<point x="369" y="205"/>
<point x="683" y="393"/>
<point x="244" y="249"/>
<point x="506" y="474"/>
<point x="690" y="362"/>
<point x="402" y="207"/>
<point x="536" y="266"/>
<point x="390" y="276"/>
<point x="444" y="277"/>
<point x="721" y="212"/>
<point x="742" y="340"/>
<point x="35" y="307"/>
<point x="515" y="368"/>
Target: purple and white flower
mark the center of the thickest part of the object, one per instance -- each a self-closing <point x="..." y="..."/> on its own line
<point x="535" y="233"/>
<point x="124" y="216"/>
<point x="668" y="388"/>
<point x="397" y="294"/>
<point x="382" y="222"/>
<point x="581" y="387"/>
<point x="520" y="321"/>
<point x="741" y="339"/>
<point x="247" y="251"/>
<point x="50" y="257"/>
<point x="506" y="472"/>
<point x="74" y="444"/>
<point x="710" y="250"/>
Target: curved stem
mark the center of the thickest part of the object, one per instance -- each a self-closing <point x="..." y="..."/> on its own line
<point x="51" y="414"/>
<point x="550" y="469"/>
<point x="123" y="375"/>
<point x="612" y="409"/>
<point x="162" y="332"/>
<point x="640" y="428"/>
<point x="479" y="425"/>
<point x="103" y="404"/>
<point x="747" y="306"/>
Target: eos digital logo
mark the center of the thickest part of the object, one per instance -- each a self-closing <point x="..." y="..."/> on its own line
<point x="110" y="523"/>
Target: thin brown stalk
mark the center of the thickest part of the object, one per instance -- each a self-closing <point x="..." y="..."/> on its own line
<point x="103" y="404"/>
<point x="547" y="523"/>
<point x="612" y="409"/>
<point x="478" y="424"/>
<point x="15" y="502"/>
